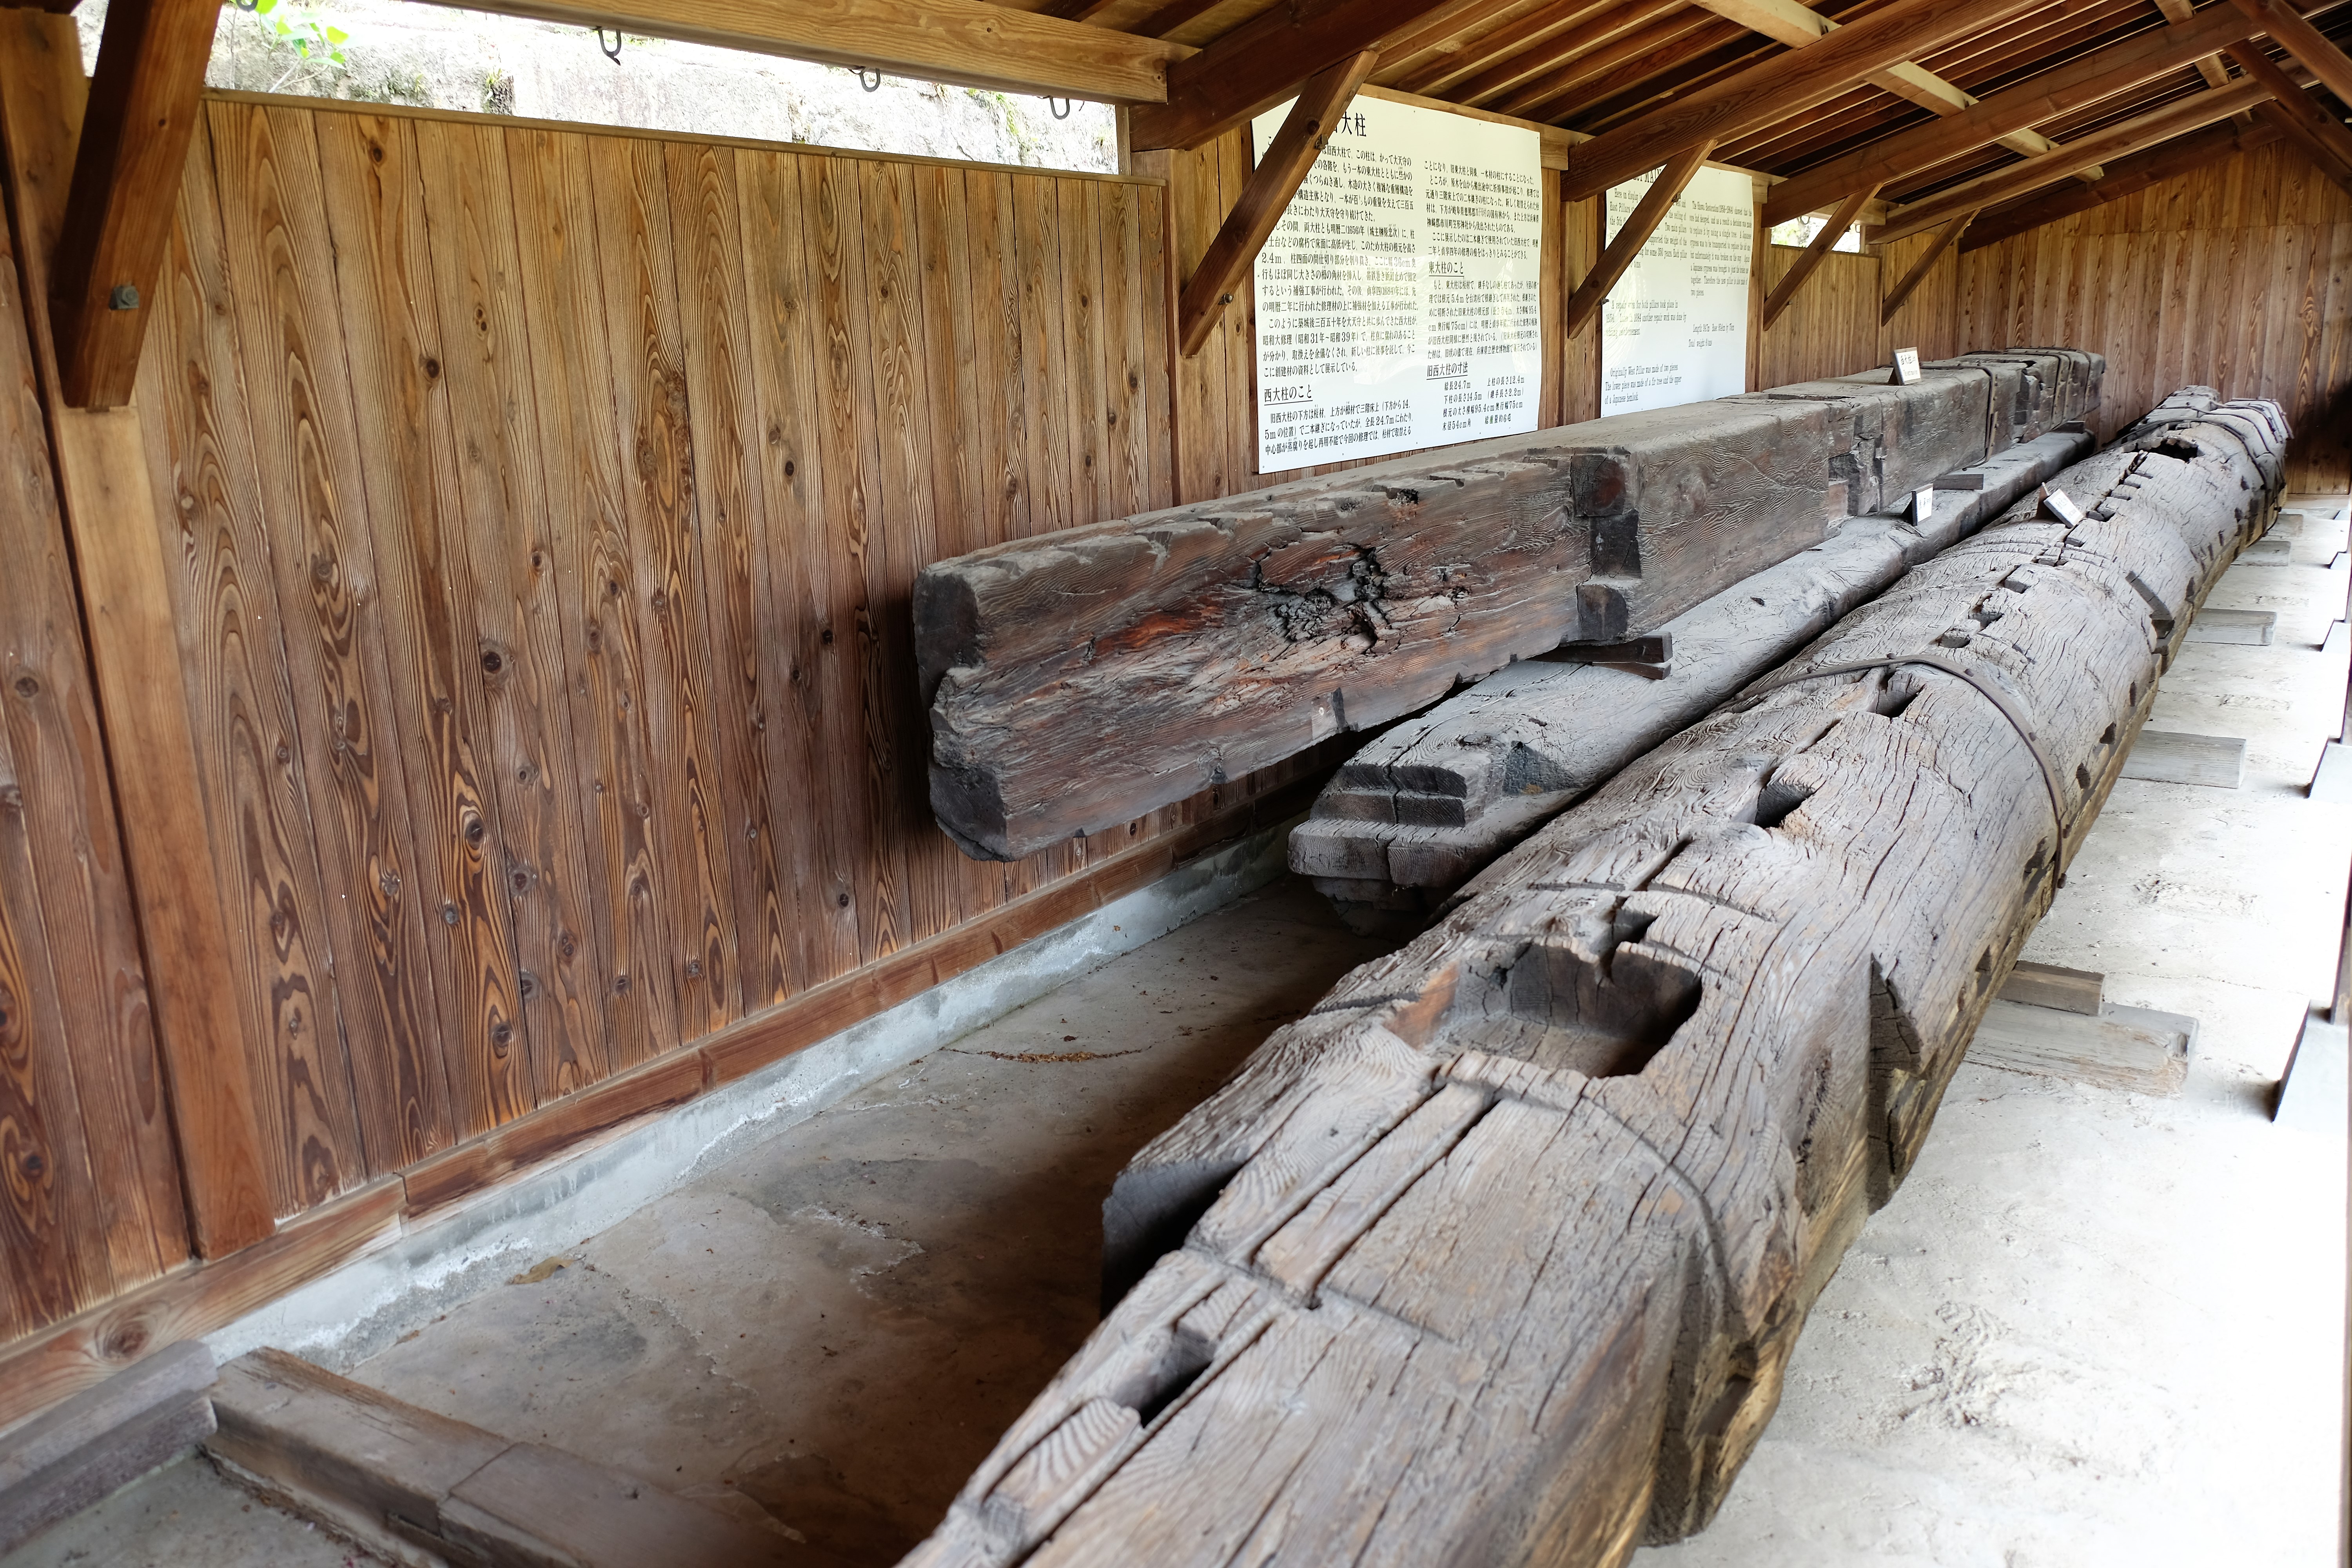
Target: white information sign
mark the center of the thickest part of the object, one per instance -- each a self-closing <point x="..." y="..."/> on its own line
<point x="1397" y="300"/>
<point x="1676" y="327"/>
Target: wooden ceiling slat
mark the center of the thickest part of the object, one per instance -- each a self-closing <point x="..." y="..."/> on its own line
<point x="1438" y="74"/>
<point x="1262" y="62"/>
<point x="1419" y="53"/>
<point x="1652" y="19"/>
<point x="1700" y="60"/>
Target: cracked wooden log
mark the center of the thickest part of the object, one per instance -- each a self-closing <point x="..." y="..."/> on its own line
<point x="1422" y="808"/>
<point x="1498" y="1256"/>
<point x="1078" y="680"/>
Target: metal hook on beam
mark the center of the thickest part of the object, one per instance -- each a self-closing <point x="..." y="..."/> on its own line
<point x="870" y="81"/>
<point x="1060" y="106"/>
<point x="613" y="49"/>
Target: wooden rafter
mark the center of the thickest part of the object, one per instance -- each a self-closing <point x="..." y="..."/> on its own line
<point x="2210" y="66"/>
<point x="1774" y="88"/>
<point x="1642" y="222"/>
<point x="1798" y="26"/>
<point x="1635" y="63"/>
<point x="2127" y="177"/>
<point x="2289" y="30"/>
<point x="2113" y="141"/>
<point x="2310" y="125"/>
<point x="1785" y="292"/>
<point x="126" y="181"/>
<point x="1264" y="61"/>
<point x="1522" y="36"/>
<point x="1288" y="159"/>
<point x="2034" y="101"/>
<point x="967" y="42"/>
<point x="1945" y="238"/>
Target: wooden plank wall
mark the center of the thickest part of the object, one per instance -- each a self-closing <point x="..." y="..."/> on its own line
<point x="2237" y="274"/>
<point x="546" y="503"/>
<point x="91" y="1200"/>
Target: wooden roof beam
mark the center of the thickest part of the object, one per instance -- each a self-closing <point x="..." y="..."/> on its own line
<point x="1640" y="225"/>
<point x="2210" y="66"/>
<point x="1264" y="60"/>
<point x="2081" y="83"/>
<point x="1289" y="158"/>
<point x="125" y="192"/>
<point x="1797" y="25"/>
<point x="2289" y="98"/>
<point x="1631" y="64"/>
<point x="2127" y="177"/>
<point x="968" y="42"/>
<point x="1775" y="88"/>
<point x="1537" y="38"/>
<point x="2112" y="142"/>
<point x="2322" y="153"/>
<point x="1784" y="293"/>
<point x="2309" y="46"/>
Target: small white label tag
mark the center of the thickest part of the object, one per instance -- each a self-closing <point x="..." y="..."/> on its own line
<point x="2060" y="505"/>
<point x="1923" y="504"/>
<point x="1907" y="366"/>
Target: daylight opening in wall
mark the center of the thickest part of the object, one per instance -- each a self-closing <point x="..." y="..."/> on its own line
<point x="433" y="57"/>
<point x="1799" y="232"/>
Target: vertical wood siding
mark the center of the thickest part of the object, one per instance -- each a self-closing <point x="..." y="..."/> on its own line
<point x="2237" y="274"/>
<point x="545" y="506"/>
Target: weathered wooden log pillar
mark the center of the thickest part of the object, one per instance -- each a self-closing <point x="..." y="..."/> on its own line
<point x="1080" y="679"/>
<point x="1498" y="1256"/>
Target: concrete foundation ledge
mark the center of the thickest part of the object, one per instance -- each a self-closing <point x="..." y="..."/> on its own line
<point x="342" y="1318"/>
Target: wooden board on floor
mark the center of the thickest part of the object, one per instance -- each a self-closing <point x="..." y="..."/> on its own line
<point x="2251" y="628"/>
<point x="2054" y="985"/>
<point x="2166" y="756"/>
<point x="2135" y="1049"/>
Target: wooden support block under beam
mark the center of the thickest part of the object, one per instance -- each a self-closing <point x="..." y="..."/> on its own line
<point x="125" y="192"/>
<point x="1784" y="293"/>
<point x="2253" y="628"/>
<point x="2054" y="985"/>
<point x="1586" y="302"/>
<point x="1775" y="88"/>
<point x="1288" y="160"/>
<point x="2164" y="756"/>
<point x="1943" y="242"/>
<point x="2133" y="1048"/>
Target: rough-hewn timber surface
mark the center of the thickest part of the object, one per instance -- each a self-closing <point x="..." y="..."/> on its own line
<point x="1498" y="1256"/>
<point x="1421" y="809"/>
<point x="1080" y="679"/>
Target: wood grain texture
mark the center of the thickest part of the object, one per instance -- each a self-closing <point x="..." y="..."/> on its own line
<point x="2175" y="275"/>
<point x="125" y="604"/>
<point x="1499" y="1254"/>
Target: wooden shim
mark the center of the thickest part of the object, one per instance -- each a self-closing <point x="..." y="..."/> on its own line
<point x="2054" y="985"/>
<point x="2250" y="628"/>
<point x="2163" y="756"/>
<point x="1080" y="680"/>
<point x="1499" y="1254"/>
<point x="395" y="1477"/>
<point x="1422" y="808"/>
<point x="2114" y="1046"/>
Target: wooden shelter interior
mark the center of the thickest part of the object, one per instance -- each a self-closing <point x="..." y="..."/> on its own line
<point x="458" y="697"/>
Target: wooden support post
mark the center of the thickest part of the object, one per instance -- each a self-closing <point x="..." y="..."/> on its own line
<point x="1264" y="60"/>
<point x="103" y="482"/>
<point x="1785" y="292"/>
<point x="2307" y="43"/>
<point x="1776" y="89"/>
<point x="1268" y="195"/>
<point x="1943" y="242"/>
<point x="125" y="192"/>
<point x="2072" y="86"/>
<point x="1585" y="303"/>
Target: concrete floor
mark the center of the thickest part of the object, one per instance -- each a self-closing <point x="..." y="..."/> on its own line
<point x="2093" y="1328"/>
